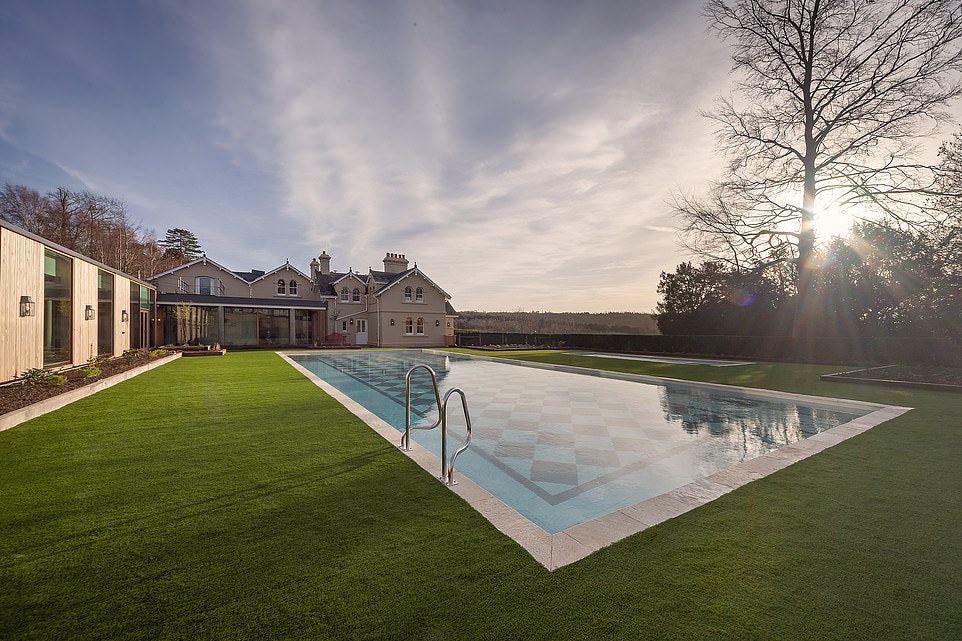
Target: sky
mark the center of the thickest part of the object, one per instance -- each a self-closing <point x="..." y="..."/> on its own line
<point x="522" y="153"/>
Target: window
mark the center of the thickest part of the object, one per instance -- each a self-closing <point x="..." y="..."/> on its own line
<point x="204" y="285"/>
<point x="344" y="295"/>
<point x="57" y="294"/>
<point x="408" y="325"/>
<point x="105" y="313"/>
<point x="292" y="288"/>
<point x="281" y="287"/>
<point x="407" y="294"/>
<point x="343" y="326"/>
<point x="420" y="327"/>
<point x="419" y="295"/>
<point x="356" y="295"/>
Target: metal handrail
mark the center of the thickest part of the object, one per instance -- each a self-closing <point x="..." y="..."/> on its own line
<point x="406" y="438"/>
<point x="447" y="468"/>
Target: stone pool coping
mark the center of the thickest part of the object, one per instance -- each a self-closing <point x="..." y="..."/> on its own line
<point x="16" y="417"/>
<point x="554" y="551"/>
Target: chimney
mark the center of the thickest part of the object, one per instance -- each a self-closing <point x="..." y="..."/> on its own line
<point x="324" y="263"/>
<point x="314" y="266"/>
<point x="395" y="263"/>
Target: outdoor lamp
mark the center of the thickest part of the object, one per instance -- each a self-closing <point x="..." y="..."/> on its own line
<point x="124" y="316"/>
<point x="392" y="322"/>
<point x="352" y="321"/>
<point x="27" y="306"/>
<point x="437" y="323"/>
<point x="89" y="312"/>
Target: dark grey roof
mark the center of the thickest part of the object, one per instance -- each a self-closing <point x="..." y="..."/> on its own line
<point x="383" y="278"/>
<point x="240" y="301"/>
<point x="252" y="275"/>
<point x="449" y="310"/>
<point x="324" y="283"/>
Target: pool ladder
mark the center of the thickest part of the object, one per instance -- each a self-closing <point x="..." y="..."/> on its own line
<point x="447" y="467"/>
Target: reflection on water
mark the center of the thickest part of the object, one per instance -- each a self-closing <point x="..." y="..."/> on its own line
<point x="756" y="427"/>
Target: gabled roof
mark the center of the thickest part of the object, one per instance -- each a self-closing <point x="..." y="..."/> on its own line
<point x="286" y="265"/>
<point x="355" y="275"/>
<point x="411" y="272"/>
<point x="205" y="261"/>
<point x="449" y="310"/>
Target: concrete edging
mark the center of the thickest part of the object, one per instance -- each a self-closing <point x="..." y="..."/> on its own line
<point x="16" y="417"/>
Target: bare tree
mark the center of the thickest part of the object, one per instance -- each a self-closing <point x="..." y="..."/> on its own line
<point x="24" y="207"/>
<point x="834" y="95"/>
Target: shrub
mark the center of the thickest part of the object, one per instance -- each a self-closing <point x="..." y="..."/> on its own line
<point x="33" y="376"/>
<point x="55" y="379"/>
<point x="157" y="353"/>
<point x="136" y="354"/>
<point x="90" y="371"/>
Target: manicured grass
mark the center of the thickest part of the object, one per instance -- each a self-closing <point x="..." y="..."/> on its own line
<point x="230" y="498"/>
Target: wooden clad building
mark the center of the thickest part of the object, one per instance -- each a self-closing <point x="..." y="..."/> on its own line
<point x="59" y="308"/>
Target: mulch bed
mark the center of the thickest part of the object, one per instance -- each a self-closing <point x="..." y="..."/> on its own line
<point x="16" y="396"/>
<point x="932" y="376"/>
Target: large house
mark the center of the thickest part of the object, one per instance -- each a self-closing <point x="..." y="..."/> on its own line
<point x="397" y="307"/>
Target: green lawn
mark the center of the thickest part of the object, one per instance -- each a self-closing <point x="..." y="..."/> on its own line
<point x="231" y="498"/>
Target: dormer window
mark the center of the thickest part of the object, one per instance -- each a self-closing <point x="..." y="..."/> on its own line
<point x="344" y="294"/>
<point x="407" y="294"/>
<point x="204" y="285"/>
<point x="292" y="288"/>
<point x="419" y="295"/>
<point x="281" y="287"/>
<point x="356" y="295"/>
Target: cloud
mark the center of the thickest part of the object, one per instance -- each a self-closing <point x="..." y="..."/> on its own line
<point x="521" y="166"/>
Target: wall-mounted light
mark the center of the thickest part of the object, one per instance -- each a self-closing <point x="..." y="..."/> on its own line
<point x="124" y="316"/>
<point x="27" y="306"/>
<point x="392" y="322"/>
<point x="89" y="313"/>
<point x="352" y="321"/>
<point x="437" y="323"/>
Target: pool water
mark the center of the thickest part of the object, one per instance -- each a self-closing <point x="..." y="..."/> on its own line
<point x="562" y="448"/>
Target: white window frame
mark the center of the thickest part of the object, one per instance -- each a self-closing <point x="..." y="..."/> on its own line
<point x="210" y="287"/>
<point x="281" y="287"/>
<point x="419" y="295"/>
<point x="356" y="295"/>
<point x="420" y="327"/>
<point x="345" y="295"/>
<point x="409" y="326"/>
<point x="407" y="294"/>
<point x="292" y="288"/>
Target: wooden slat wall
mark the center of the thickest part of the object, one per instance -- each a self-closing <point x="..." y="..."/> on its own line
<point x="21" y="339"/>
<point x="121" y="303"/>
<point x="84" y="334"/>
<point x="21" y="274"/>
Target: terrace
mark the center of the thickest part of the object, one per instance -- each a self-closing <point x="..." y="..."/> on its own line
<point x="232" y="498"/>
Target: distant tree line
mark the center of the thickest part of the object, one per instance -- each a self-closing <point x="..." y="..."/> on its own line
<point x="97" y="226"/>
<point x="559" y="322"/>
<point x="884" y="280"/>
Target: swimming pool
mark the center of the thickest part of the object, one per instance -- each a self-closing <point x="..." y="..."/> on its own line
<point x="563" y="448"/>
